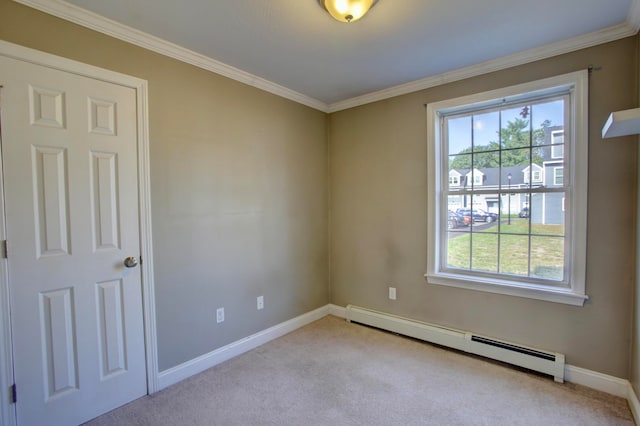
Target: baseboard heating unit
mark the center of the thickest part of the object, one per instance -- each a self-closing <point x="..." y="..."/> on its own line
<point x="550" y="363"/>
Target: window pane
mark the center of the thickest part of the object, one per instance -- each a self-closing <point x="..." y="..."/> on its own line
<point x="525" y="206"/>
<point x="457" y="223"/>
<point x="516" y="169"/>
<point x="459" y="166"/>
<point x="485" y="168"/>
<point x="547" y="213"/>
<point x="456" y="175"/>
<point x="485" y="131"/>
<point x="515" y="132"/>
<point x="484" y="250"/>
<point x="455" y="202"/>
<point x="547" y="117"/>
<point x="557" y="144"/>
<point x="547" y="258"/>
<point x="535" y="208"/>
<point x="459" y="250"/>
<point x="514" y="255"/>
<point x="547" y="229"/>
<point x="459" y="134"/>
<point x="514" y="224"/>
<point x="491" y="207"/>
<point x="475" y="177"/>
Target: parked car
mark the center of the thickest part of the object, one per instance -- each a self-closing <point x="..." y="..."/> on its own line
<point x="524" y="213"/>
<point x="456" y="220"/>
<point x="478" y="215"/>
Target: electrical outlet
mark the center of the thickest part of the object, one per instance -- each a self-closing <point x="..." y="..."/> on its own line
<point x="392" y="293"/>
<point x="260" y="302"/>
<point x="219" y="315"/>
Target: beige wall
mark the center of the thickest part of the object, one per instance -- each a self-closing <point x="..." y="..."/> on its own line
<point x="239" y="204"/>
<point x="378" y="184"/>
<point x="238" y="189"/>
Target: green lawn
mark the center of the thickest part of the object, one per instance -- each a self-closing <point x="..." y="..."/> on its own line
<point x="509" y="249"/>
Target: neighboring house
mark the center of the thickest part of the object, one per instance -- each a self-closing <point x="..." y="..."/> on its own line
<point x="489" y="179"/>
<point x="553" y="203"/>
<point x="545" y="208"/>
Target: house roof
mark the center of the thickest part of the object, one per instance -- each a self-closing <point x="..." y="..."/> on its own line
<point x="495" y="176"/>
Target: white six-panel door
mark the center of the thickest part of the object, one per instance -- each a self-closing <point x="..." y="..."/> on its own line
<point x="69" y="148"/>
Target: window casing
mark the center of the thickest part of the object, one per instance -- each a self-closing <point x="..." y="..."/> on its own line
<point x="510" y="139"/>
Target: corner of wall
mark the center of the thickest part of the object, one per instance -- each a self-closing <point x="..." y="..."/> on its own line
<point x="635" y="338"/>
<point x="329" y="206"/>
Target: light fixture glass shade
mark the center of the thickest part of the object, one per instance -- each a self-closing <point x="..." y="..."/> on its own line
<point x="347" y="10"/>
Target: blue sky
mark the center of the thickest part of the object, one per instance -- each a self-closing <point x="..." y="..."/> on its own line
<point x="486" y="126"/>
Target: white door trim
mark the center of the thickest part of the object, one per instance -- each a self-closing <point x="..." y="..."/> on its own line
<point x="7" y="410"/>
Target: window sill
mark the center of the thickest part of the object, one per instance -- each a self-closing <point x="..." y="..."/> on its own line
<point x="510" y="288"/>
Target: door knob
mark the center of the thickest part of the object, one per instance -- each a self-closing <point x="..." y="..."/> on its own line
<point x="131" y="262"/>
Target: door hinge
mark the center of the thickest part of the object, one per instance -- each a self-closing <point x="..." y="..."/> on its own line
<point x="5" y="250"/>
<point x="13" y="394"/>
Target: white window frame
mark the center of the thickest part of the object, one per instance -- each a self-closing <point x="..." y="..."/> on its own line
<point x="555" y="175"/>
<point x="575" y="174"/>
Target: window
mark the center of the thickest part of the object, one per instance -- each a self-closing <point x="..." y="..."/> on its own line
<point x="557" y="176"/>
<point x="524" y="238"/>
<point x="454" y="180"/>
<point x="557" y="141"/>
<point x="534" y="175"/>
<point x="476" y="177"/>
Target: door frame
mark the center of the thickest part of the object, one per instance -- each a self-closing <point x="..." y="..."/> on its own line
<point x="14" y="51"/>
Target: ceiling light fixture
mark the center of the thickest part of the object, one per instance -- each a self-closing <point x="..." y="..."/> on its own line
<point x="347" y="10"/>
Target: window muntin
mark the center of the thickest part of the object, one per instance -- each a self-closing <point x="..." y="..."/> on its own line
<point x="485" y="132"/>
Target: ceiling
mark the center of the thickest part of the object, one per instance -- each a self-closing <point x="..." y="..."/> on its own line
<point x="295" y="47"/>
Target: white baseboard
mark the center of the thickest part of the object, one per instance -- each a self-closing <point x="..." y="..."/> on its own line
<point x="598" y="381"/>
<point x="337" y="311"/>
<point x="197" y="365"/>
<point x="634" y="404"/>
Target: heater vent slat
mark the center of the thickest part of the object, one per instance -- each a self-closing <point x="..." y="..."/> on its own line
<point x="515" y="348"/>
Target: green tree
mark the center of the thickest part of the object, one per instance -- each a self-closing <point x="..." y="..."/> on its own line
<point x="515" y="134"/>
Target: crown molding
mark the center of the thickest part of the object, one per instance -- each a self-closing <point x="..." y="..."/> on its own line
<point x="605" y="35"/>
<point x="85" y="18"/>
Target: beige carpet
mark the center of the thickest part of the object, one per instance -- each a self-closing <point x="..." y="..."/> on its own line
<point x="335" y="373"/>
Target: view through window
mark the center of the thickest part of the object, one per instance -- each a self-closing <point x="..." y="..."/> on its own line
<point x="506" y="211"/>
